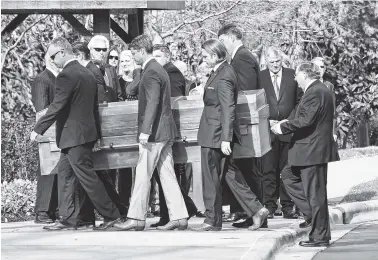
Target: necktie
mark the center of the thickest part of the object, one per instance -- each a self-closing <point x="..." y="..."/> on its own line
<point x="275" y="84"/>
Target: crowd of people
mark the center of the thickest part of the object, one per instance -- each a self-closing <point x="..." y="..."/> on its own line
<point x="80" y="76"/>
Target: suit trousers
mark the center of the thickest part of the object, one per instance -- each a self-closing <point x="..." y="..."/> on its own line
<point x="76" y="168"/>
<point x="272" y="188"/>
<point x="211" y="164"/>
<point x="125" y="184"/>
<point x="180" y="172"/>
<point x="47" y="194"/>
<point x="151" y="156"/>
<point x="307" y="187"/>
<point x="251" y="170"/>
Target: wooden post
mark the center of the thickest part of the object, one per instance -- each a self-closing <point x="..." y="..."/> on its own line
<point x="135" y="24"/>
<point x="101" y="22"/>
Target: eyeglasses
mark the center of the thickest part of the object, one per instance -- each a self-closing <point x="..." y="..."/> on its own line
<point x="52" y="57"/>
<point x="113" y="57"/>
<point x="101" y="49"/>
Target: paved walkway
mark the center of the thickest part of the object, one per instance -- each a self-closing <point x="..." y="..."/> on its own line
<point x="26" y="240"/>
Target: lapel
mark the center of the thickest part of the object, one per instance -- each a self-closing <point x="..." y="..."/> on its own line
<point x="270" y="87"/>
<point x="212" y="77"/>
<point x="283" y="84"/>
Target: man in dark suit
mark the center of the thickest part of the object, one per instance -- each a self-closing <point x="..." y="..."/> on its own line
<point x="305" y="176"/>
<point x="105" y="94"/>
<point x="248" y="73"/>
<point x="42" y="91"/>
<point x="75" y="111"/>
<point x="217" y="132"/>
<point x="283" y="95"/>
<point x="157" y="131"/>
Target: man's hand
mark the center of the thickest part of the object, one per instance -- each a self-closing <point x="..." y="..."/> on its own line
<point x="143" y="138"/>
<point x="276" y="129"/>
<point x="273" y="122"/>
<point x="33" y="136"/>
<point x="96" y="146"/>
<point x="226" y="148"/>
<point x="335" y="138"/>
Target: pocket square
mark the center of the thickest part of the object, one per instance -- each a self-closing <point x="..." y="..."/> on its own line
<point x="210" y="88"/>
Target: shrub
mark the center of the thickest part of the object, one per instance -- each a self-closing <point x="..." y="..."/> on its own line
<point x="19" y="156"/>
<point x="17" y="200"/>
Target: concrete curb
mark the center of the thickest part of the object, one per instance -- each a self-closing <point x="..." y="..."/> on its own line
<point x="269" y="245"/>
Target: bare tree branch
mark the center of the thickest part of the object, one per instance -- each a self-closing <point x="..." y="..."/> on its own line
<point x="18" y="40"/>
<point x="173" y="30"/>
<point x="194" y="32"/>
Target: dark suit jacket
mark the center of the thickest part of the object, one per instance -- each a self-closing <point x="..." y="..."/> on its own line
<point x="154" y="107"/>
<point x="290" y="95"/>
<point x="218" y="122"/>
<point x="177" y="80"/>
<point x="312" y="127"/>
<point x="74" y="108"/>
<point x="111" y="73"/>
<point x="105" y="93"/>
<point x="43" y="89"/>
<point x="247" y="69"/>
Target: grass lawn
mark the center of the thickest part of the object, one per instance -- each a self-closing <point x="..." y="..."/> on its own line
<point x="363" y="191"/>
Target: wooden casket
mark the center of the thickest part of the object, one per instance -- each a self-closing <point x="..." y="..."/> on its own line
<point x="119" y="149"/>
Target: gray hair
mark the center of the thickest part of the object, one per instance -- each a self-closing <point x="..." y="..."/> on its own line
<point x="63" y="44"/>
<point x="312" y="70"/>
<point x="98" y="38"/>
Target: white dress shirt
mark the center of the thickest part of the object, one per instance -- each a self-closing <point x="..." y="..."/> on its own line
<point x="279" y="78"/>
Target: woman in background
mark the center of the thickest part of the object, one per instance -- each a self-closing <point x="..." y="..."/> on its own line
<point x="113" y="57"/>
<point x="129" y="76"/>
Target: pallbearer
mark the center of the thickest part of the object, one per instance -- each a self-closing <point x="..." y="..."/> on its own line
<point x="217" y="132"/>
<point x="157" y="131"/>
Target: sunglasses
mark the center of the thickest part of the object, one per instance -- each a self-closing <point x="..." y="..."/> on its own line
<point x="101" y="49"/>
<point x="113" y="57"/>
<point x="52" y="57"/>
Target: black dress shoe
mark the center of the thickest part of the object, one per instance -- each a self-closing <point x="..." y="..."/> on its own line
<point x="235" y="217"/>
<point x="161" y="222"/>
<point x="313" y="243"/>
<point x="249" y="222"/>
<point x="290" y="215"/>
<point x="106" y="225"/>
<point x="58" y="226"/>
<point x="200" y="214"/>
<point x="305" y="224"/>
<point x="43" y="218"/>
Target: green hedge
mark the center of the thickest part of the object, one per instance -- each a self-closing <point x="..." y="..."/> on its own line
<point x="17" y="200"/>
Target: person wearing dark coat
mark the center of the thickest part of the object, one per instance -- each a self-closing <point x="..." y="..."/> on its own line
<point x="283" y="95"/>
<point x="75" y="111"/>
<point x="305" y="175"/>
<point x="43" y="91"/>
<point x="217" y="133"/>
<point x="248" y="73"/>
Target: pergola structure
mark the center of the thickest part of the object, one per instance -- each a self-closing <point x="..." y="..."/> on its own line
<point x="100" y="9"/>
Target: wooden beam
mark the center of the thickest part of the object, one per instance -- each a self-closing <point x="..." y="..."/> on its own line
<point x="76" y="24"/>
<point x="135" y="24"/>
<point x="119" y="31"/>
<point x="70" y="4"/>
<point x="101" y="22"/>
<point x="166" y="4"/>
<point x="14" y="24"/>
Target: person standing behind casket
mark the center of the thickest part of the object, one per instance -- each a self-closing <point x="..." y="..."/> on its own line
<point x="305" y="176"/>
<point x="75" y="111"/>
<point x="283" y="95"/>
<point x="248" y="73"/>
<point x="217" y="132"/>
<point x="177" y="84"/>
<point x="157" y="131"/>
<point x="42" y="91"/>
